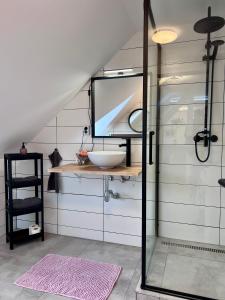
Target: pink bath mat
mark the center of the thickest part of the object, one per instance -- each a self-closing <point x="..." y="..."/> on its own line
<point x="72" y="277"/>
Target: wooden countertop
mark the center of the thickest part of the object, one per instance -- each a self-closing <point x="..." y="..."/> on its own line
<point x="90" y="169"/>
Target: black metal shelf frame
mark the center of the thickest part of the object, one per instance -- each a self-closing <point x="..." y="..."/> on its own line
<point x="148" y="16"/>
<point x="18" y="207"/>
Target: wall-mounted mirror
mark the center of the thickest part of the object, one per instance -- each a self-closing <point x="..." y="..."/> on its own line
<point x="135" y="120"/>
<point x="113" y="100"/>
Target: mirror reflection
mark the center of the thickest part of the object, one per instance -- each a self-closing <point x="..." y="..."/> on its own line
<point x="113" y="101"/>
<point x="135" y="120"/>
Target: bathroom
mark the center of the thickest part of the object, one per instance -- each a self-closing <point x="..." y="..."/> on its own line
<point x="164" y="224"/>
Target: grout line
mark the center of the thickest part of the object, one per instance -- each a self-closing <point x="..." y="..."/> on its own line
<point x="190" y="204"/>
<point x="90" y="229"/>
<point x="190" y="224"/>
<point x="173" y="43"/>
<point x="188" y="164"/>
<point x="77" y="108"/>
<point x="127" y="234"/>
<point x="166" y="64"/>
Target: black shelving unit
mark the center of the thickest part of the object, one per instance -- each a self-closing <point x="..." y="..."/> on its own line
<point x="18" y="207"/>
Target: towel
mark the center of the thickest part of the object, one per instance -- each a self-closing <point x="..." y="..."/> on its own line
<point x="53" y="181"/>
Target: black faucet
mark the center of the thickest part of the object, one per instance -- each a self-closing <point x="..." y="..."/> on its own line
<point x="128" y="151"/>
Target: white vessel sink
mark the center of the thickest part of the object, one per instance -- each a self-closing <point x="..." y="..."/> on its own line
<point x="106" y="159"/>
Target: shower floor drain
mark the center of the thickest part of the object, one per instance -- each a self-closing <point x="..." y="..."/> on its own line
<point x="193" y="247"/>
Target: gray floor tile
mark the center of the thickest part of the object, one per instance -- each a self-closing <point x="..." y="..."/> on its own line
<point x="125" y="256"/>
<point x="52" y="297"/>
<point x="27" y="294"/>
<point x="157" y="268"/>
<point x="146" y="297"/>
<point x="195" y="275"/>
<point x="131" y="291"/>
<point x="9" y="291"/>
<point x="15" y="263"/>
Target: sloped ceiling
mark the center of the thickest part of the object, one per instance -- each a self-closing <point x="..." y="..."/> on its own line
<point x="49" y="49"/>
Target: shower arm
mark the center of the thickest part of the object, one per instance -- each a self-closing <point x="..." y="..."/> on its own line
<point x="207" y="26"/>
<point x="206" y="133"/>
<point x="208" y="46"/>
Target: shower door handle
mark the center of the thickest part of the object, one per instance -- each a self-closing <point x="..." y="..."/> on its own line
<point x="151" y="133"/>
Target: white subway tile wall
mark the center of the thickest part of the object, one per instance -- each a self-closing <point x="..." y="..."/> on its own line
<point x="192" y="204"/>
<point x="79" y="209"/>
<point x="191" y="200"/>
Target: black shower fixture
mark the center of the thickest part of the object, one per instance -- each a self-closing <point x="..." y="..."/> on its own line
<point x="207" y="26"/>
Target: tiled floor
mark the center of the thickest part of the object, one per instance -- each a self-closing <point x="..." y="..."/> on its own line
<point x="15" y="263"/>
<point x="184" y="269"/>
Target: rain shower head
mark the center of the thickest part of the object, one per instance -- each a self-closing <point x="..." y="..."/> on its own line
<point x="209" y="24"/>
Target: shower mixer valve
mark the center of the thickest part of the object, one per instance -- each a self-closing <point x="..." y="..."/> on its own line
<point x="205" y="136"/>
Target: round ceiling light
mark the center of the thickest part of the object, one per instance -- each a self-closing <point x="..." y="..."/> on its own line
<point x="164" y="36"/>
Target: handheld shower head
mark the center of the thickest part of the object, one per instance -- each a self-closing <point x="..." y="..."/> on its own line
<point x="216" y="44"/>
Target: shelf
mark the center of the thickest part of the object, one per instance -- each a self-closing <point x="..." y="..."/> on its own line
<point x="91" y="169"/>
<point x="23" y="235"/>
<point x="30" y="205"/>
<point x="26" y="206"/>
<point x="18" y="156"/>
<point x="21" y="182"/>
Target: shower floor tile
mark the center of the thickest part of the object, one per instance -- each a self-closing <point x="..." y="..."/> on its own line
<point x="187" y="270"/>
<point x="195" y="275"/>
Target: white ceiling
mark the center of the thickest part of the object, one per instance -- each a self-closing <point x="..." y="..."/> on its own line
<point x="178" y="12"/>
<point x="181" y="15"/>
<point x="49" y="49"/>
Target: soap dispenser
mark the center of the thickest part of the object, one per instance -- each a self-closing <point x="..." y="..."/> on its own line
<point x="23" y="149"/>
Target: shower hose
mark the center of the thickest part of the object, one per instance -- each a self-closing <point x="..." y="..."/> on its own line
<point x="206" y="131"/>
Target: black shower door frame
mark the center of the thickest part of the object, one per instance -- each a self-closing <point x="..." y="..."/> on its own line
<point x="148" y="16"/>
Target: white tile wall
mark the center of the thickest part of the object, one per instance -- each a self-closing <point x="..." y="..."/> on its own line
<point x="190" y="197"/>
<point x="186" y="232"/>
<point x="183" y="154"/>
<point x="179" y="94"/>
<point x="190" y="174"/>
<point x="124" y="239"/>
<point x="183" y="134"/>
<point x="120" y="224"/>
<point x="79" y="210"/>
<point x="190" y="194"/>
<point x="190" y="214"/>
<point x="83" y="203"/>
<point x="77" y="117"/>
<point x="182" y="114"/>
<point x="81" y="232"/>
<point x="85" y="220"/>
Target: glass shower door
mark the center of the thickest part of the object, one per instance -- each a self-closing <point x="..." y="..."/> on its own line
<point x="149" y="208"/>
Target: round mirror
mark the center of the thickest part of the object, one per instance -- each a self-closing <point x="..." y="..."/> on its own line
<point x="135" y="120"/>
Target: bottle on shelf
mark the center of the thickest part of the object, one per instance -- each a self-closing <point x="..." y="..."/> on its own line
<point x="23" y="149"/>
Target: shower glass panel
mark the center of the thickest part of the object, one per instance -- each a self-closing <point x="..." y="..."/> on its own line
<point x="149" y="152"/>
<point x="150" y="156"/>
<point x="183" y="204"/>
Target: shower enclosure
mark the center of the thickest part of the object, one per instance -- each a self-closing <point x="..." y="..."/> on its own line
<point x="183" y="211"/>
